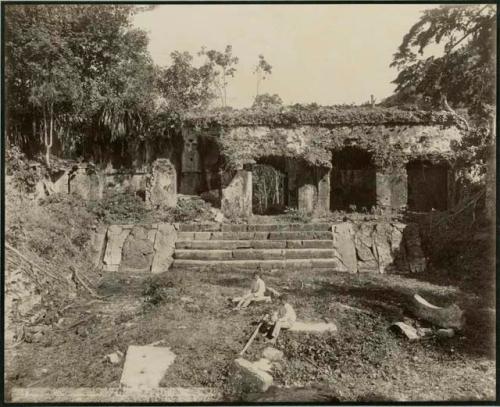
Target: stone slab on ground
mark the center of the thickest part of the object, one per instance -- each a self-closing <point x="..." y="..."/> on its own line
<point x="407" y="330"/>
<point x="113" y="395"/>
<point x="145" y="366"/>
<point x="247" y="378"/>
<point x="319" y="327"/>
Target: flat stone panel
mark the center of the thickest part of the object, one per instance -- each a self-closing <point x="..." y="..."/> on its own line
<point x="164" y="247"/>
<point x="145" y="366"/>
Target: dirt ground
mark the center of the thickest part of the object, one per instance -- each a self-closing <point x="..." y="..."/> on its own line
<point x="364" y="361"/>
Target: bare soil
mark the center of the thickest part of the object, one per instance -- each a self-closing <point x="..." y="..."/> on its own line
<point x="364" y="361"/>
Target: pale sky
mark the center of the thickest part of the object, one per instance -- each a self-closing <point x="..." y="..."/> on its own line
<point x="328" y="53"/>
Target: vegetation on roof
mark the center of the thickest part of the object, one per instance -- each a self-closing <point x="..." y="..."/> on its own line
<point x="390" y="146"/>
<point x="290" y="116"/>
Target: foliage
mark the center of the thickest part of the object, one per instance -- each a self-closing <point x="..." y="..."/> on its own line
<point x="262" y="70"/>
<point x="465" y="73"/>
<point x="267" y="101"/>
<point x="187" y="210"/>
<point x="268" y="191"/>
<point x="117" y="208"/>
<point x="184" y="86"/>
<point x="221" y="65"/>
<point x="155" y="290"/>
<point x="293" y="215"/>
<point x="72" y="71"/>
<point x="289" y="116"/>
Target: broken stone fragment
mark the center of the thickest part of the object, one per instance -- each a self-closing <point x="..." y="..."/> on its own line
<point x="114" y="358"/>
<point x="424" y="331"/>
<point x="247" y="378"/>
<point x="449" y="317"/>
<point x="272" y="354"/>
<point x="406" y="330"/>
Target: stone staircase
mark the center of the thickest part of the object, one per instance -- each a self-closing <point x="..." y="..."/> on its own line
<point x="253" y="246"/>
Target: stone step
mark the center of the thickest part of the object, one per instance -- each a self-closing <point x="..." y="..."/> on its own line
<point x="285" y="227"/>
<point x="255" y="254"/>
<point x="252" y="244"/>
<point x="279" y="235"/>
<point x="235" y="265"/>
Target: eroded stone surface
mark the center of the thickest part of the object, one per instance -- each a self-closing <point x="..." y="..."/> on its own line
<point x="115" y="237"/>
<point x="343" y="243"/>
<point x="162" y="184"/>
<point x="164" y="247"/>
<point x="319" y="327"/>
<point x="449" y="317"/>
<point x="406" y="330"/>
<point x="237" y="194"/>
<point x="137" y="252"/>
<point x="247" y="378"/>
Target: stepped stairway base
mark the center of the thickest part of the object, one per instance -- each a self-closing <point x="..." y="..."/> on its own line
<point x="254" y="247"/>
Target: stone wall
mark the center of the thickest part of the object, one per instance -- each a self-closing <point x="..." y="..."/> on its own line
<point x="378" y="247"/>
<point x="139" y="248"/>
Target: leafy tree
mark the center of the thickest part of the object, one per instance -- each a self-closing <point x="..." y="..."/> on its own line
<point x="267" y="101"/>
<point x="464" y="75"/>
<point x="263" y="69"/>
<point x="78" y="72"/>
<point x="222" y="67"/>
<point x="185" y="87"/>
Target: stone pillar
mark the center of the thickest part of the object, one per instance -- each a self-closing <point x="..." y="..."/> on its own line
<point x="162" y="184"/>
<point x="307" y="190"/>
<point x="237" y="193"/>
<point x="323" y="199"/>
<point x="383" y="190"/>
<point x="191" y="166"/>
<point x="291" y="173"/>
<point x="399" y="189"/>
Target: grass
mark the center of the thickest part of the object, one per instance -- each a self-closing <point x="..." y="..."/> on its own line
<point x="364" y="361"/>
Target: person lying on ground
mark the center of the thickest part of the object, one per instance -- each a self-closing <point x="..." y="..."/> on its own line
<point x="283" y="318"/>
<point x="256" y="293"/>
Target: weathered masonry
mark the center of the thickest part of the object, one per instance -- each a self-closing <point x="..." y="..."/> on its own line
<point x="345" y="159"/>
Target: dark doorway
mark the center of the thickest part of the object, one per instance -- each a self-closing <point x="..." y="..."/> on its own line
<point x="427" y="186"/>
<point x="352" y="180"/>
<point x="270" y="186"/>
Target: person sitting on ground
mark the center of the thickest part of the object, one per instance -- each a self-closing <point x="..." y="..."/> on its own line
<point x="256" y="293"/>
<point x="283" y="318"/>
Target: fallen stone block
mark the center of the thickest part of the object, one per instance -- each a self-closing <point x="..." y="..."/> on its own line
<point x="145" y="366"/>
<point x="406" y="330"/>
<point x="114" y="358"/>
<point x="313" y="327"/>
<point x="449" y="317"/>
<point x="247" y="378"/>
<point x="424" y="331"/>
<point x="263" y="364"/>
<point x="272" y="354"/>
